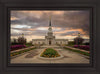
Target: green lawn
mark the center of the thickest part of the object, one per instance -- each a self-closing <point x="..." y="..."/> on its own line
<point x="28" y="45"/>
<point x="78" y="51"/>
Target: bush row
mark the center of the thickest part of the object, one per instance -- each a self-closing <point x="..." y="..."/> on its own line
<point x="15" y="47"/>
<point x="85" y="47"/>
<point x="19" y="52"/>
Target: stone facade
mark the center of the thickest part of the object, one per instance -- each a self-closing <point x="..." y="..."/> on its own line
<point x="50" y="38"/>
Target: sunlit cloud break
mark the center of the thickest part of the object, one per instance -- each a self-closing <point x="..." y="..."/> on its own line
<point x="65" y="24"/>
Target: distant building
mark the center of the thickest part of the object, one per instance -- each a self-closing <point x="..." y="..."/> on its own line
<point x="50" y="38"/>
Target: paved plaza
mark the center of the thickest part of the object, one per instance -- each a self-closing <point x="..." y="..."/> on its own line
<point x="33" y="56"/>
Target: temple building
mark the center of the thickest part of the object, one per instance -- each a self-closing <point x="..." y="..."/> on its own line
<point x="50" y="39"/>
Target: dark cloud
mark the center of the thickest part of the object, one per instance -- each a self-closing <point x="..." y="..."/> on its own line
<point x="75" y="20"/>
<point x="27" y="33"/>
<point x="73" y="33"/>
<point x="68" y="19"/>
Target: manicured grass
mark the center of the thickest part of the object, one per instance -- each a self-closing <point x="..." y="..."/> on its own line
<point x="70" y="45"/>
<point x="78" y="51"/>
<point x="28" y="45"/>
<point x="19" y="52"/>
<point x="50" y="53"/>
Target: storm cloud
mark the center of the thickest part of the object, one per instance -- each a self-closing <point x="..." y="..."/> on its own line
<point x="64" y="23"/>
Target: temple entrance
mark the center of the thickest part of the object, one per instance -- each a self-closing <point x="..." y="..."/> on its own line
<point x="50" y="42"/>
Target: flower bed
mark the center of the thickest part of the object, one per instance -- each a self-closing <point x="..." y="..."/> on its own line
<point x="20" y="52"/>
<point x="85" y="47"/>
<point x="78" y="51"/>
<point x="15" y="47"/>
<point x="50" y="53"/>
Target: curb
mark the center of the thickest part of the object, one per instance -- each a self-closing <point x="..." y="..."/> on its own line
<point x="61" y="56"/>
<point x="19" y="54"/>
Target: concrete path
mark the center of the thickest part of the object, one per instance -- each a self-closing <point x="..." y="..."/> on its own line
<point x="69" y="57"/>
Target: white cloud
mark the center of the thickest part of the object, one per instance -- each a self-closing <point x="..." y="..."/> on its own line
<point x="35" y="23"/>
<point x="20" y="26"/>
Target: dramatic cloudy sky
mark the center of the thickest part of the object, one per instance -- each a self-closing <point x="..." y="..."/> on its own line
<point x="34" y="24"/>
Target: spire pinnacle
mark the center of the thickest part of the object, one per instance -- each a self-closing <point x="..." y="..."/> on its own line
<point x="50" y="21"/>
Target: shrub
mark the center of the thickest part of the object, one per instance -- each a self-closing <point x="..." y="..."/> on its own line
<point x="19" y="52"/>
<point x="22" y="40"/>
<point x="71" y="43"/>
<point x="78" y="40"/>
<point x="85" y="47"/>
<point x="86" y="43"/>
<point x="79" y="51"/>
<point x="15" y="47"/>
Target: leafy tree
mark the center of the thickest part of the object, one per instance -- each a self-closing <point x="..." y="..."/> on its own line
<point x="13" y="41"/>
<point x="78" y="40"/>
<point x="22" y="40"/>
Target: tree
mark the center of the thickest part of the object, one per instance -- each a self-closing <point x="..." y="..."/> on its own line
<point x="14" y="40"/>
<point x="78" y="40"/>
<point x="22" y="40"/>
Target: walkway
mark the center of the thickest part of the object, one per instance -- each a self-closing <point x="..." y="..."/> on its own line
<point x="32" y="57"/>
